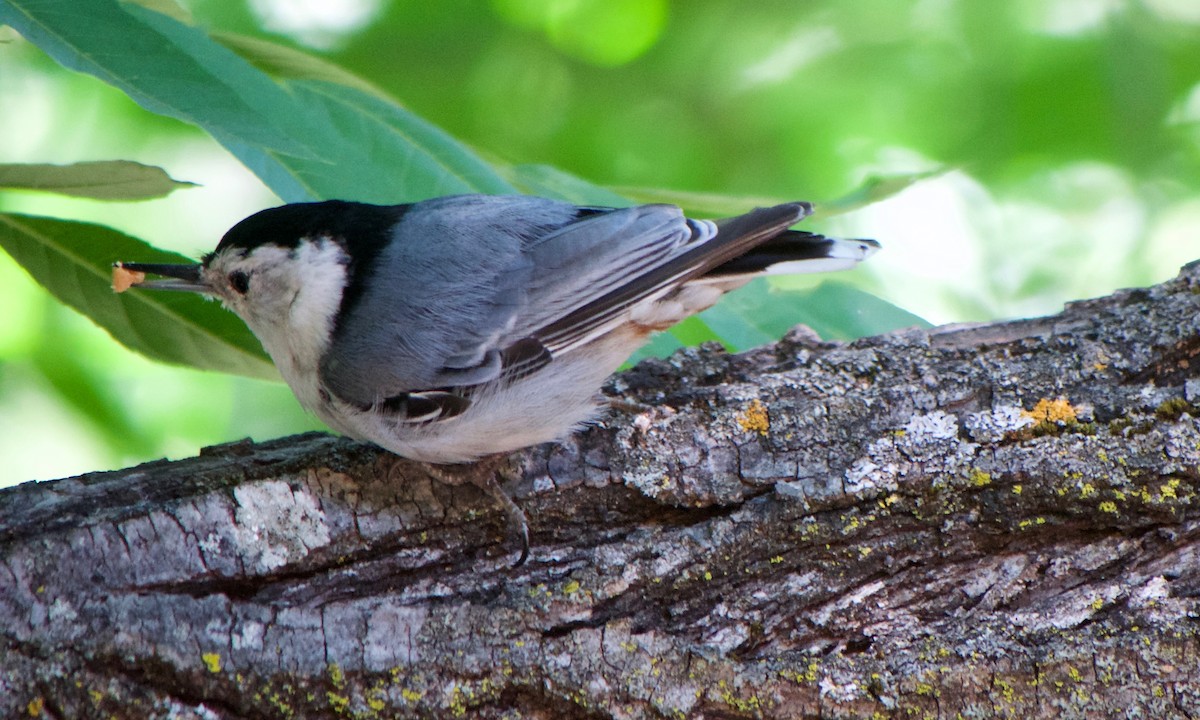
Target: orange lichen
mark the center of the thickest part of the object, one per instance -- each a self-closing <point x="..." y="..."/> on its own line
<point x="755" y="418"/>
<point x="1053" y="411"/>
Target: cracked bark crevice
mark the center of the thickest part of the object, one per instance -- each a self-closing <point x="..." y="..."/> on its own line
<point x="809" y="529"/>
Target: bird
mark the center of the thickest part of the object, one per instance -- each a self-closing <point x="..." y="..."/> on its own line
<point x="469" y="326"/>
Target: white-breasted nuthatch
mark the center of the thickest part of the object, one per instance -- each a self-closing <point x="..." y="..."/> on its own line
<point x="470" y="325"/>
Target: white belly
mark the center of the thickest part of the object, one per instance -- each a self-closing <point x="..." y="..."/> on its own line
<point x="545" y="406"/>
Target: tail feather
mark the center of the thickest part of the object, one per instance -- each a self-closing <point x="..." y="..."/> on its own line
<point x="796" y="251"/>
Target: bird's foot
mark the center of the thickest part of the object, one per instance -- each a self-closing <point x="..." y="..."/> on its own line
<point x="484" y="475"/>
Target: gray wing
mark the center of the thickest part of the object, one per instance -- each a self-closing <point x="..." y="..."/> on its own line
<point x="458" y="293"/>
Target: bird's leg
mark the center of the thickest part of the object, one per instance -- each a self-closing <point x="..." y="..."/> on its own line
<point x="483" y="475"/>
<point x="516" y="516"/>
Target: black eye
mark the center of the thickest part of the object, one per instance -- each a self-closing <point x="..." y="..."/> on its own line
<point x="239" y="281"/>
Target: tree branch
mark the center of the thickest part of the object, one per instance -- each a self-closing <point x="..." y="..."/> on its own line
<point x="987" y="520"/>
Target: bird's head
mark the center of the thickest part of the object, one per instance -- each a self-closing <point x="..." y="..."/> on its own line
<point x="288" y="271"/>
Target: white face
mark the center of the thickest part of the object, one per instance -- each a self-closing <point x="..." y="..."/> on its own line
<point x="288" y="298"/>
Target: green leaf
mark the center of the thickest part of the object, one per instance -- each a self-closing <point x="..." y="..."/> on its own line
<point x="170" y="8"/>
<point x="660" y="345"/>
<point x="306" y="139"/>
<point x="694" y="330"/>
<point x="99" y="180"/>
<point x="163" y="65"/>
<point x="281" y="61"/>
<point x="376" y="151"/>
<point x="554" y="183"/>
<point x="701" y="203"/>
<point x="760" y="313"/>
<point x="74" y="262"/>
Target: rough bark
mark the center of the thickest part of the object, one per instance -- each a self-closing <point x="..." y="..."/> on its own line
<point x="810" y="529"/>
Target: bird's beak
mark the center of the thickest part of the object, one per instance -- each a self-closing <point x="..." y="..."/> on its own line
<point x="181" y="277"/>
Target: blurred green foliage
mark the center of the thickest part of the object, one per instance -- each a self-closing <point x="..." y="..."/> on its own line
<point x="1064" y="136"/>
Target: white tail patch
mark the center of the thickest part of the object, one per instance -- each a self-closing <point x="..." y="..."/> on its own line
<point x="852" y="248"/>
<point x="842" y="254"/>
<point x="801" y="267"/>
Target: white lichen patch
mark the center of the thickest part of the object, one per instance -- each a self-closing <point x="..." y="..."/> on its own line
<point x="839" y="692"/>
<point x="1191" y="390"/>
<point x="650" y="484"/>
<point x="276" y="525"/>
<point x="993" y="425"/>
<point x="676" y="700"/>
<point x="210" y="544"/>
<point x="999" y="578"/>
<point x="927" y="443"/>
<point x="1069" y="609"/>
<point x="796" y="584"/>
<point x="937" y="425"/>
<point x="176" y="710"/>
<point x="61" y="611"/>
<point x="867" y="474"/>
<point x="1155" y="589"/>
<point x="247" y="636"/>
<point x="727" y="638"/>
<point x="979" y="581"/>
<point x="838" y="607"/>
<point x="1180" y="440"/>
<point x="672" y="561"/>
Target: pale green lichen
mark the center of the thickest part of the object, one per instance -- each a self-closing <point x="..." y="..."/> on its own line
<point x="979" y="478"/>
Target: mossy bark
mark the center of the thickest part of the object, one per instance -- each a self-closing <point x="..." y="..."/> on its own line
<point x="996" y="520"/>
